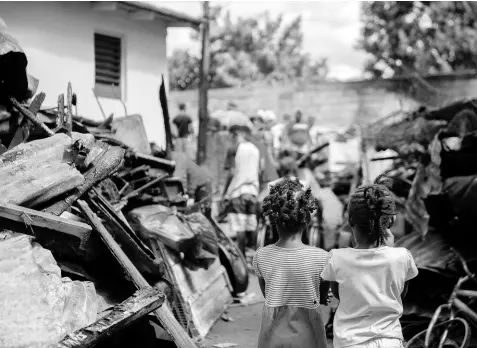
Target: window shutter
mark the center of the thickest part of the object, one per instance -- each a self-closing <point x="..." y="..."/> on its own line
<point x="107" y="54"/>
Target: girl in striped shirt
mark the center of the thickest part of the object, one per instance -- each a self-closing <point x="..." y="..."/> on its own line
<point x="289" y="273"/>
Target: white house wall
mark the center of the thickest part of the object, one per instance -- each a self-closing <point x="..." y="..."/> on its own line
<point x="58" y="39"/>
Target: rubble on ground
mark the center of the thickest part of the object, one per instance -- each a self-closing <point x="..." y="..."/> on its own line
<point x="70" y="260"/>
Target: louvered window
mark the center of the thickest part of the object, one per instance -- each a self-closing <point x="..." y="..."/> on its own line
<point x="107" y="57"/>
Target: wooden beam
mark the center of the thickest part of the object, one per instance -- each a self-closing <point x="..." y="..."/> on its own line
<point x="143" y="15"/>
<point x="103" y="6"/>
<point x="141" y="303"/>
<point x="36" y="218"/>
<point x="163" y="314"/>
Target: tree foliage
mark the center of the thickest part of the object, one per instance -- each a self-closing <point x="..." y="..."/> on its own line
<point x="429" y="37"/>
<point x="248" y="49"/>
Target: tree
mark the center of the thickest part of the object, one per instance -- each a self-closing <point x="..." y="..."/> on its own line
<point x="249" y="49"/>
<point x="183" y="70"/>
<point x="424" y="37"/>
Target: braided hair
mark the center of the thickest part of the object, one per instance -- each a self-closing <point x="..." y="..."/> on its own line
<point x="288" y="205"/>
<point x="372" y="207"/>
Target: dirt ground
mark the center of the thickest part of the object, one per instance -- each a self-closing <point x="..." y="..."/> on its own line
<point x="243" y="330"/>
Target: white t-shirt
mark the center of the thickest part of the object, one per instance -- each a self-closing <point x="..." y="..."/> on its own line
<point x="246" y="170"/>
<point x="370" y="285"/>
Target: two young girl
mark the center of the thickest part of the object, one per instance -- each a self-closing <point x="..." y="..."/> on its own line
<point x="369" y="279"/>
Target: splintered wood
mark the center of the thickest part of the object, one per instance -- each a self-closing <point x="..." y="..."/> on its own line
<point x="141" y="303"/>
<point x="107" y="160"/>
<point x="35" y="218"/>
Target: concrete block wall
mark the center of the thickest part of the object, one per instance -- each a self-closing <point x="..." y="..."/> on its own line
<point x="337" y="104"/>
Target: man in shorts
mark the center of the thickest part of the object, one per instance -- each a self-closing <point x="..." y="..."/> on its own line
<point x="243" y="164"/>
<point x="183" y="124"/>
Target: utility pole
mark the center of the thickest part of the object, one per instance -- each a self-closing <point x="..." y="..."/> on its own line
<point x="203" y="88"/>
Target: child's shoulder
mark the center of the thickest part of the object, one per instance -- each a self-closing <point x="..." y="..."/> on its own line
<point x="265" y="250"/>
<point x="317" y="252"/>
<point x="401" y="253"/>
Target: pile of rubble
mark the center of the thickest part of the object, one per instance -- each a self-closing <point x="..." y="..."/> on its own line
<point x="69" y="190"/>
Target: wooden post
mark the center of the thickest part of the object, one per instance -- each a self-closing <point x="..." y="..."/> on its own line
<point x="204" y="86"/>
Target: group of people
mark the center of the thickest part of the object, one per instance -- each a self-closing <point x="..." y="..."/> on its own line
<point x="369" y="280"/>
<point x="249" y="166"/>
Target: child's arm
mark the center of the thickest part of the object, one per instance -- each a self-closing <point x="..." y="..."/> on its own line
<point x="324" y="292"/>
<point x="404" y="291"/>
<point x="335" y="289"/>
<point x="261" y="282"/>
<point x="411" y="273"/>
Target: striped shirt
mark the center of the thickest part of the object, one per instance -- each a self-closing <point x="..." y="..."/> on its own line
<point x="292" y="276"/>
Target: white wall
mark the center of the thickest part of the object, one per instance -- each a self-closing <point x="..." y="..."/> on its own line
<point x="58" y="39"/>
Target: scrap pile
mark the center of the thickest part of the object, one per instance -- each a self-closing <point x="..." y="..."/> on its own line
<point x="67" y="183"/>
<point x="436" y="174"/>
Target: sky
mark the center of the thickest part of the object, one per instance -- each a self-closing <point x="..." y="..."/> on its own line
<point x="330" y="29"/>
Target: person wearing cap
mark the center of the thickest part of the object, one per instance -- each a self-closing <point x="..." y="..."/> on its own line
<point x="243" y="164"/>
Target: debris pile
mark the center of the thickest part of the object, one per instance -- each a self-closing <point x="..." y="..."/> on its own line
<point x="77" y="200"/>
<point x="435" y="174"/>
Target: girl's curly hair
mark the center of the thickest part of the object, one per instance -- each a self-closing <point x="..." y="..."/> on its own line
<point x="288" y="205"/>
<point x="372" y="207"/>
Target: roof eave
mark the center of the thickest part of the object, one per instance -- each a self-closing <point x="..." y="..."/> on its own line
<point x="141" y="11"/>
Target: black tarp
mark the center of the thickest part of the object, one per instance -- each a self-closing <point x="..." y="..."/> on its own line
<point x="439" y="269"/>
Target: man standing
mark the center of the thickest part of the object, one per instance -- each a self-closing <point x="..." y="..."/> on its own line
<point x="183" y="124"/>
<point x="242" y="187"/>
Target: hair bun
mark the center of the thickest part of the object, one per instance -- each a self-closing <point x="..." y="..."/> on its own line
<point x="385" y="181"/>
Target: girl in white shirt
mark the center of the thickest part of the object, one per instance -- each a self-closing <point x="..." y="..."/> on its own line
<point x="370" y="279"/>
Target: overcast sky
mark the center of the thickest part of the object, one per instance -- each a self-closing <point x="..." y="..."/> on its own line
<point x="330" y="29"/>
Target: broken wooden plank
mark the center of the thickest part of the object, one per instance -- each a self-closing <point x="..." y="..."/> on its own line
<point x="60" y="121"/>
<point x="141" y="303"/>
<point x="131" y="172"/>
<point x="69" y="109"/>
<point x="23" y="130"/>
<point x="33" y="118"/>
<point x="145" y="186"/>
<point x="163" y="314"/>
<point x="101" y="167"/>
<point x="156" y="162"/>
<point x="36" y="218"/>
<point x="132" y="246"/>
<point x="105" y="124"/>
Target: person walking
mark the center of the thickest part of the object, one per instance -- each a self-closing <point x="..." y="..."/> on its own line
<point x="370" y="279"/>
<point x="289" y="272"/>
<point x="243" y="165"/>
<point x="183" y="124"/>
